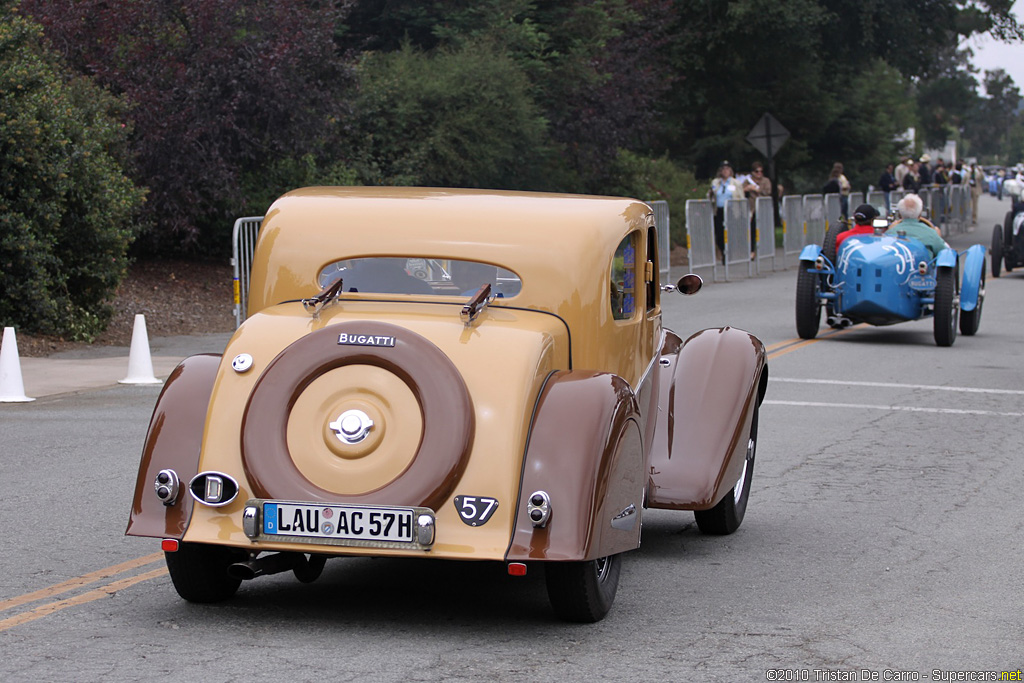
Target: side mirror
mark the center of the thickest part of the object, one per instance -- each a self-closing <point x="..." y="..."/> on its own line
<point x="689" y="284"/>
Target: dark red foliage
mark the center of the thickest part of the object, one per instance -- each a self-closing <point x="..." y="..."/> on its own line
<point x="217" y="88"/>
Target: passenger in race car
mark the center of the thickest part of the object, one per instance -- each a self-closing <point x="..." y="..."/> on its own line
<point x="912" y="225"/>
<point x="863" y="219"/>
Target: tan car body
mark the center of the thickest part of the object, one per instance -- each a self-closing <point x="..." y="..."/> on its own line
<point x="542" y="391"/>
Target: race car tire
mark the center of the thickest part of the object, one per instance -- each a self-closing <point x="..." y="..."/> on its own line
<point x="997" y="250"/>
<point x="946" y="308"/>
<point x="199" y="572"/>
<point x="830" y="252"/>
<point x="435" y="382"/>
<point x="971" y="320"/>
<point x="828" y="245"/>
<point x="808" y="307"/>
<point x="1009" y="249"/>
<point x="727" y="515"/>
<point x="584" y="591"/>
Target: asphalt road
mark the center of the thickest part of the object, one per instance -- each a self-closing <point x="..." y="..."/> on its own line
<point x="884" y="535"/>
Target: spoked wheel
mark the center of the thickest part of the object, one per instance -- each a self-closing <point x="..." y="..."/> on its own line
<point x="199" y="572"/>
<point x="997" y="250"/>
<point x="970" y="320"/>
<point x="808" y="306"/>
<point x="727" y="515"/>
<point x="947" y="308"/>
<point x="583" y="591"/>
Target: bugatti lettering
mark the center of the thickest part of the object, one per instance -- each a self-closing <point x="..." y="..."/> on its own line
<point x="365" y="340"/>
<point x="345" y="522"/>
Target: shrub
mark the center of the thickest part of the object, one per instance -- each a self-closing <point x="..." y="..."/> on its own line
<point x="65" y="204"/>
<point x="651" y="179"/>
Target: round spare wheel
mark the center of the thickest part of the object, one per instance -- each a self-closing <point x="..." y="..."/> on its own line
<point x="357" y="423"/>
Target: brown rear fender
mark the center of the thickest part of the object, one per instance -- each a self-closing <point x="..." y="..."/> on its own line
<point x="173" y="442"/>
<point x="710" y="387"/>
<point x="585" y="451"/>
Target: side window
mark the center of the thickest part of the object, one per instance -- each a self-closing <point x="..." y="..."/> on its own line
<point x="651" y="269"/>
<point x="623" y="281"/>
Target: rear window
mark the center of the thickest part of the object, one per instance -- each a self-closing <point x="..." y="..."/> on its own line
<point x="420" y="276"/>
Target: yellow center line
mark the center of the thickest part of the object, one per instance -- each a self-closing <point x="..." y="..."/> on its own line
<point x="79" y="581"/>
<point x="95" y="594"/>
<point x="782" y="348"/>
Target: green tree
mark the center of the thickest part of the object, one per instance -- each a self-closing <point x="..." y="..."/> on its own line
<point x="453" y="117"/>
<point x="990" y="129"/>
<point x="66" y="207"/>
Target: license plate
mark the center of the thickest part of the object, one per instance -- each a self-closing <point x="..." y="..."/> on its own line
<point x="338" y="523"/>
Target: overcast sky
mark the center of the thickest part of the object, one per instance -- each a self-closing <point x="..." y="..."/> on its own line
<point x="991" y="54"/>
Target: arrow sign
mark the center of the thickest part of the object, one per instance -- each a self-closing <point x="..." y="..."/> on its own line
<point x="768" y="135"/>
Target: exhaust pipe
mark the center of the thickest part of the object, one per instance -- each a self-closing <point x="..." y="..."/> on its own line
<point x="306" y="569"/>
<point x="839" y="321"/>
<point x="265" y="566"/>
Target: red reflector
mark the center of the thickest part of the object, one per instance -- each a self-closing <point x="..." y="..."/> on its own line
<point x="516" y="569"/>
<point x="169" y="545"/>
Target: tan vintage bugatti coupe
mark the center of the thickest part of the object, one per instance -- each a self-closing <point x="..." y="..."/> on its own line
<point x="457" y="374"/>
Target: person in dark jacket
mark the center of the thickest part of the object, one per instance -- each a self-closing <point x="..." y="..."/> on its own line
<point x="887" y="183"/>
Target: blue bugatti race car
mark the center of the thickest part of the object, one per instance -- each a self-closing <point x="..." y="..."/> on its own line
<point x="882" y="279"/>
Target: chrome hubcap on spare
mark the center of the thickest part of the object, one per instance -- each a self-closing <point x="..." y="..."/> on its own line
<point x="352" y="426"/>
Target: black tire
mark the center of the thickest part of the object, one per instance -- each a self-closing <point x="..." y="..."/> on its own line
<point x="1009" y="250"/>
<point x="199" y="572"/>
<point x="971" y="320"/>
<point x="830" y="252"/>
<point x="727" y="515"/>
<point x="997" y="250"/>
<point x="946" y="308"/>
<point x="310" y="570"/>
<point x="828" y="245"/>
<point x="808" y="306"/>
<point x="583" y="591"/>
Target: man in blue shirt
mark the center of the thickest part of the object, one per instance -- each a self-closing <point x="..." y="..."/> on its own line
<point x="911" y="224"/>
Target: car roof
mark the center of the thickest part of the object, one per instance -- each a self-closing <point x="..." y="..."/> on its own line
<point x="556" y="243"/>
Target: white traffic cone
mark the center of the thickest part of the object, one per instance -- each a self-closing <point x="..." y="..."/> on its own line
<point x="140" y="365"/>
<point x="12" y="389"/>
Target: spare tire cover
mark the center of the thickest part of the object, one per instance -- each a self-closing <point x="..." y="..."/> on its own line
<point x="435" y="382"/>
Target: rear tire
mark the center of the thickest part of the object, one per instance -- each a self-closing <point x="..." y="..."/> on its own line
<point x="1009" y="249"/>
<point x="828" y="245"/>
<point x="946" y="308"/>
<point x="997" y="250"/>
<point x="808" y="306"/>
<point x="970" y="320"/>
<point x="727" y="515"/>
<point x="199" y="572"/>
<point x="583" y="591"/>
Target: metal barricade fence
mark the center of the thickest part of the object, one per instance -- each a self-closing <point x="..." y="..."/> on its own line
<point x="792" y="226"/>
<point x="957" y="208"/>
<point x="700" y="234"/>
<point x="662" y="221"/>
<point x="833" y="210"/>
<point x="878" y="199"/>
<point x="737" y="235"/>
<point x="243" y="243"/>
<point x="815" y="223"/>
<point x="764" y="225"/>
